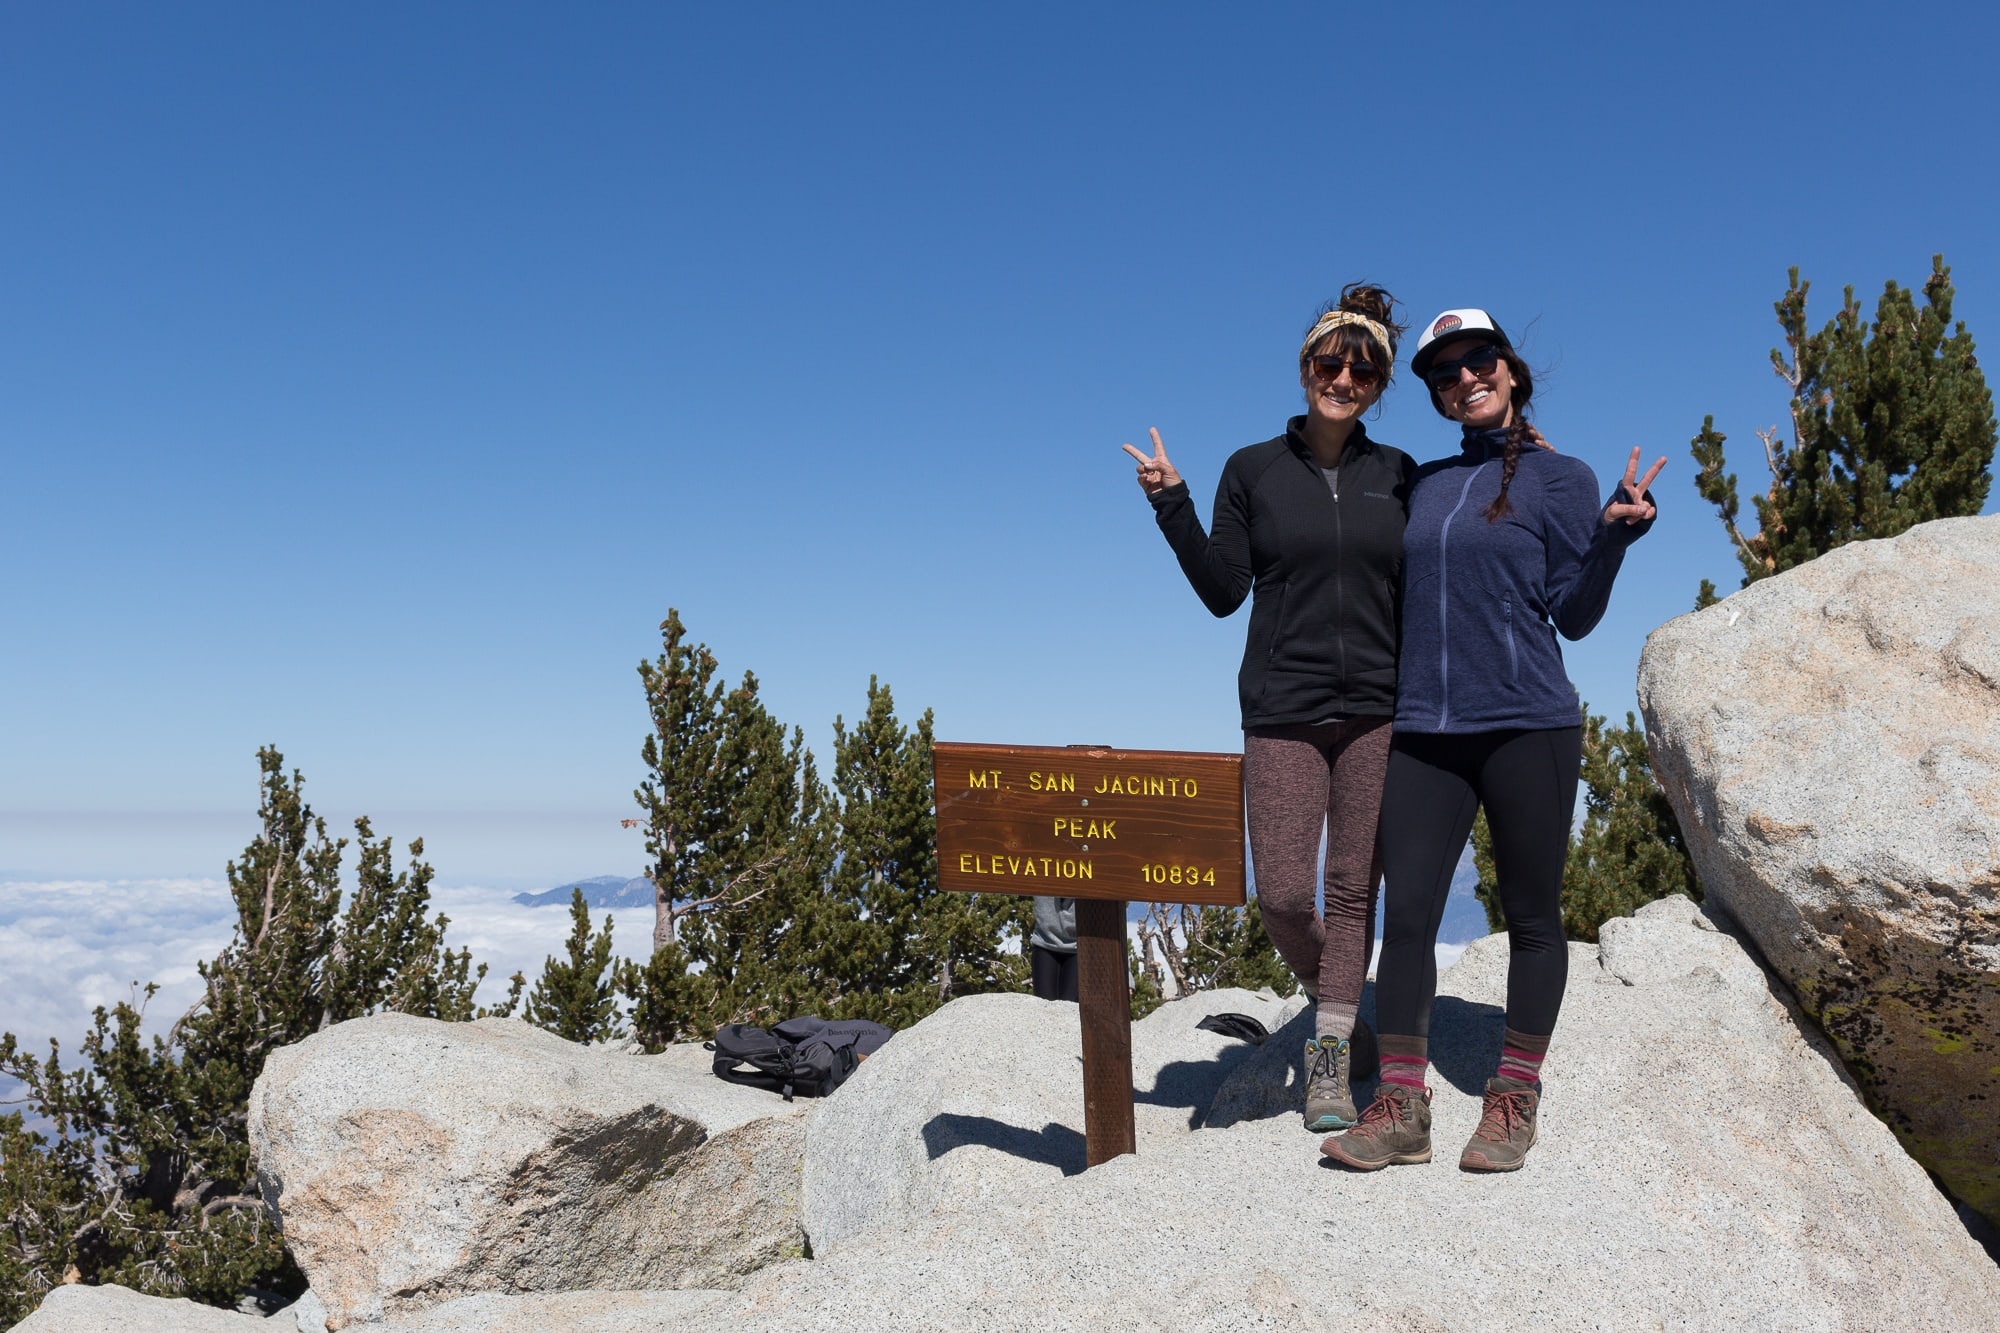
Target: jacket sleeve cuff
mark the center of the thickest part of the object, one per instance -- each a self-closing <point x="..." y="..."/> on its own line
<point x="1172" y="498"/>
<point x="1623" y="534"/>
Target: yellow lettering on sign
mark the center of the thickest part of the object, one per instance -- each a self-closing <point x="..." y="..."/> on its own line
<point x="1025" y="867"/>
<point x="985" y="777"/>
<point x="1051" y="782"/>
<point x="1146" y="784"/>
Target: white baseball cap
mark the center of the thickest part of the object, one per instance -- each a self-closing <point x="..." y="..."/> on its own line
<point x="1470" y="322"/>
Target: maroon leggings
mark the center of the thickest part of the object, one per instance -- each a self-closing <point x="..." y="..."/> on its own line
<point x="1298" y="781"/>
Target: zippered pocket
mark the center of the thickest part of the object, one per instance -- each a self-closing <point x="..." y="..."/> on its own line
<point x="1513" y="658"/>
<point x="1277" y="625"/>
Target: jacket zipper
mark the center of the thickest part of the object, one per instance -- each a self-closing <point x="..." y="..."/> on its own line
<point x="1340" y="586"/>
<point x="1444" y="585"/>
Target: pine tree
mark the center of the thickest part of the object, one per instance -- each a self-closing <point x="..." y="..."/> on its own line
<point x="752" y="930"/>
<point x="1892" y="425"/>
<point x="902" y="945"/>
<point x="139" y="1171"/>
<point x="1628" y="851"/>
<point x="574" y="997"/>
<point x="779" y="893"/>
<point x="739" y="841"/>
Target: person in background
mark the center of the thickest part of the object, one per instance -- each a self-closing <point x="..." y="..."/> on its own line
<point x="1309" y="526"/>
<point x="1052" y="949"/>
<point x="1507" y="546"/>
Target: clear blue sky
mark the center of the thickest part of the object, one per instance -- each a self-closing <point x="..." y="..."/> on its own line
<point x="373" y="378"/>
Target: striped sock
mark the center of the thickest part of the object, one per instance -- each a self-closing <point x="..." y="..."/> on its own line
<point x="1404" y="1060"/>
<point x="1521" y="1057"/>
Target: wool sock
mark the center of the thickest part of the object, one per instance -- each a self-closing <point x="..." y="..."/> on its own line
<point x="1334" y="1019"/>
<point x="1521" y="1057"/>
<point x="1404" y="1060"/>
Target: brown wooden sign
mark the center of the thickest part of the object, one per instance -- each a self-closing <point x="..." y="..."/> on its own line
<point x="1088" y="822"/>
<point x="1107" y="826"/>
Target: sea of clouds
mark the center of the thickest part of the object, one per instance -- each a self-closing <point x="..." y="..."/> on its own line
<point x="68" y="946"/>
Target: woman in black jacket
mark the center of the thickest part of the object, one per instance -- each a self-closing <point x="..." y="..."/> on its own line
<point x="1309" y="525"/>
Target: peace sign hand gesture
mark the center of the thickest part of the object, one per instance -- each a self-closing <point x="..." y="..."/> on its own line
<point x="1634" y="508"/>
<point x="1156" y="474"/>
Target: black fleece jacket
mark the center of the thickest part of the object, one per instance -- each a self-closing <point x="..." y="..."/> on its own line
<point x="1322" y="564"/>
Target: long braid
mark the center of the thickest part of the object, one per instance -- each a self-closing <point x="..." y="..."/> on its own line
<point x="1517" y="433"/>
<point x="1510" y="458"/>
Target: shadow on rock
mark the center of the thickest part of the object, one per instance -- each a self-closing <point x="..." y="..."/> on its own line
<point x="1192" y="1083"/>
<point x="1465" y="1042"/>
<point x="1053" y="1145"/>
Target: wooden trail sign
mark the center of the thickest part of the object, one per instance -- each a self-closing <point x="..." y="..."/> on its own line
<point x="1157" y="826"/>
<point x="1105" y="827"/>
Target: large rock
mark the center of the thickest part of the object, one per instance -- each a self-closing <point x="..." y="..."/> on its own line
<point x="414" y="1161"/>
<point x="985" y="1097"/>
<point x="1703" y="1164"/>
<point x="568" y="1312"/>
<point x="1830" y="740"/>
<point x="111" y="1309"/>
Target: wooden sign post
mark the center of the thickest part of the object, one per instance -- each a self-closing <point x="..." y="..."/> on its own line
<point x="1104" y="827"/>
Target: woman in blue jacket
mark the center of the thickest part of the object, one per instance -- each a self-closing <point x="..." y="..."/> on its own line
<point x="1506" y="546"/>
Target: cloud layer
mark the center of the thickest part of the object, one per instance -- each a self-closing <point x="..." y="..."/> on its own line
<point x="67" y="946"/>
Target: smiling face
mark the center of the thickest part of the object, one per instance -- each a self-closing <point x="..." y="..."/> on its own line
<point x="1340" y="399"/>
<point x="1482" y="402"/>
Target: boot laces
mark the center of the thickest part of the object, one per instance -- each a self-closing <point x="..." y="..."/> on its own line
<point x="1324" y="1060"/>
<point x="1383" y="1114"/>
<point x="1504" y="1111"/>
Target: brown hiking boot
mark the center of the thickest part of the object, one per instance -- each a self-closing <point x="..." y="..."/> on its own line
<point x="1394" y="1130"/>
<point x="1329" y="1093"/>
<point x="1506" y="1130"/>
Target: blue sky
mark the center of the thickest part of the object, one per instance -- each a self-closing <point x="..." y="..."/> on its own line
<point x="374" y="378"/>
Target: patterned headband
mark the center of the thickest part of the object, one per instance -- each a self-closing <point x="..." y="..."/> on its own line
<point x="1334" y="319"/>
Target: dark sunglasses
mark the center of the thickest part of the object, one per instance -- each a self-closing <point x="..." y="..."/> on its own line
<point x="1480" y="361"/>
<point x="1362" y="373"/>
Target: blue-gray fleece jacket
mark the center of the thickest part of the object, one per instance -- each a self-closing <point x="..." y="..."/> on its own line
<point x="1483" y="602"/>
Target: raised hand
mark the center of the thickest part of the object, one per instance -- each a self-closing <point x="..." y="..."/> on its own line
<point x="1634" y="507"/>
<point x="1535" y="438"/>
<point x="1156" y="473"/>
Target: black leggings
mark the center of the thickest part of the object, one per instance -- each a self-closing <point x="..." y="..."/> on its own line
<point x="1527" y="782"/>
<point x="1052" y="974"/>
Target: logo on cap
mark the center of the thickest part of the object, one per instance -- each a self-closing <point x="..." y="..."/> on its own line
<point x="1445" y="324"/>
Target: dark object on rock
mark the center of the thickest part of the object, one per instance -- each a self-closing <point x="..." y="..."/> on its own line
<point x="1240" y="1026"/>
<point x="805" y="1057"/>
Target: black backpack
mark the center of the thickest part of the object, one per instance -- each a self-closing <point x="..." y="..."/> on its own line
<point x="807" y="1057"/>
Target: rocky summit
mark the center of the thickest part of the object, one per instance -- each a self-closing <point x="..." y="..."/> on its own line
<point x="1830" y="740"/>
<point x="1704" y="1162"/>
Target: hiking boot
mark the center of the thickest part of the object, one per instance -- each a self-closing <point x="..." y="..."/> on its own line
<point x="1394" y="1130"/>
<point x="1329" y="1096"/>
<point x="1506" y="1129"/>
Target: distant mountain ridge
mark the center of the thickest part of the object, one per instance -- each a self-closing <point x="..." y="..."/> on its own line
<point x="600" y="891"/>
